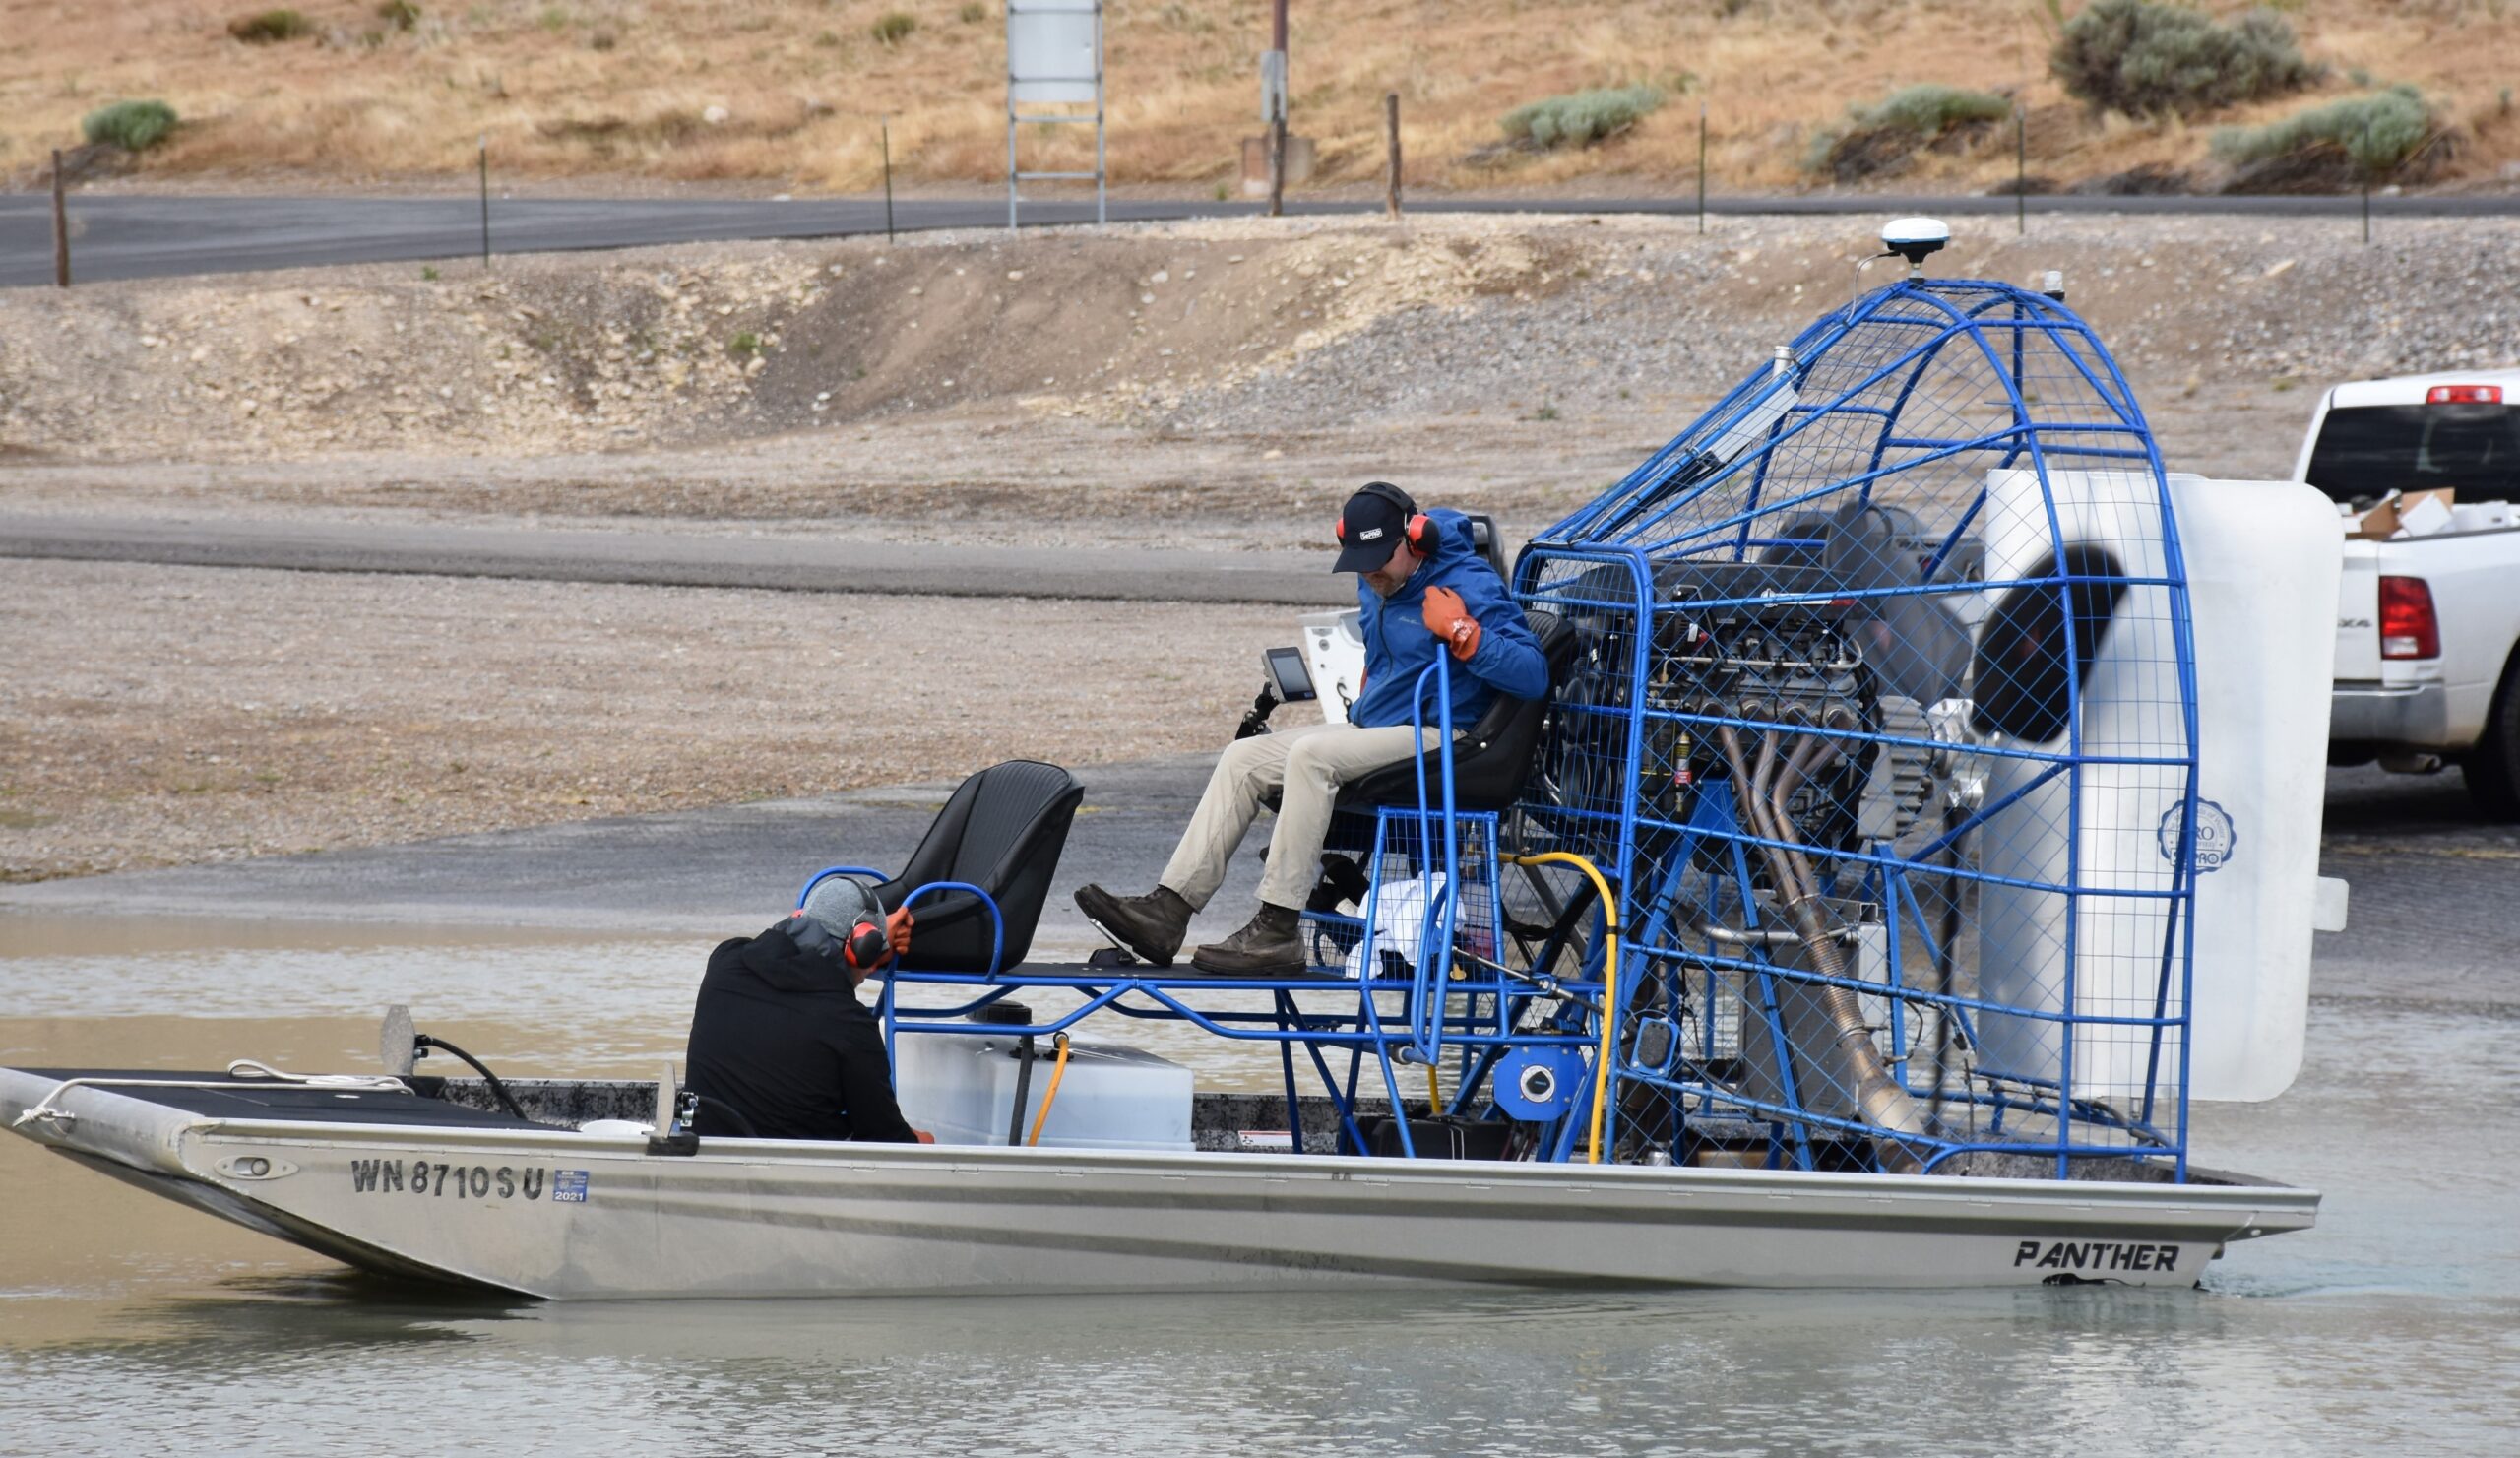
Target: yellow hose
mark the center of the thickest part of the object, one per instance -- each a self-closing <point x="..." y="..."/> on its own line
<point x="1435" y="1096"/>
<point x="1609" y="982"/>
<point x="1058" y="1070"/>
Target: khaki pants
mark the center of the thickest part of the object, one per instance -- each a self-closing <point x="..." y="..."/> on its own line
<point x="1307" y="766"/>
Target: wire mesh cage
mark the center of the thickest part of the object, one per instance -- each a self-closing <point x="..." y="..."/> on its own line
<point x="1884" y="717"/>
<point x="1409" y="894"/>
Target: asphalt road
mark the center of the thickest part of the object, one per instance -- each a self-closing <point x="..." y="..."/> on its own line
<point x="679" y="559"/>
<point x="137" y="236"/>
<point x="700" y="871"/>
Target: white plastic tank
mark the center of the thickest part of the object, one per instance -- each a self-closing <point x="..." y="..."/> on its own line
<point x="960" y="1088"/>
<point x="2262" y="561"/>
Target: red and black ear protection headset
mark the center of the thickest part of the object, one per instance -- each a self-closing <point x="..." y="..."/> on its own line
<point x="866" y="947"/>
<point x="1421" y="530"/>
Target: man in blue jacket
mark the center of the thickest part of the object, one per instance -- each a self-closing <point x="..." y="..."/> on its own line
<point x="1423" y="590"/>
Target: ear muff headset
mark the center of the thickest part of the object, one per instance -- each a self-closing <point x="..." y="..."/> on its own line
<point x="1421" y="530"/>
<point x="866" y="947"/>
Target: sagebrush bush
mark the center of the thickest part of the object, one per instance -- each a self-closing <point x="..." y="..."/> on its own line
<point x="2377" y="132"/>
<point x="400" y="14"/>
<point x="893" y="26"/>
<point x="1581" y="117"/>
<point x="972" y="14"/>
<point x="265" y="28"/>
<point x="133" y="126"/>
<point x="1932" y="108"/>
<point x="1883" y="134"/>
<point x="2149" y="59"/>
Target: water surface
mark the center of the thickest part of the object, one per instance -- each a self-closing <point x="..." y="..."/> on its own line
<point x="128" y="1323"/>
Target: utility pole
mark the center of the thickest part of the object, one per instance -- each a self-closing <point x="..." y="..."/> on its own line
<point x="1278" y="108"/>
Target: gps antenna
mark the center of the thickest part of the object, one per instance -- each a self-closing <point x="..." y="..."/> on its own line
<point x="1914" y="239"/>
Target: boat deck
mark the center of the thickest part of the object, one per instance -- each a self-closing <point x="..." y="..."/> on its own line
<point x="423" y="1104"/>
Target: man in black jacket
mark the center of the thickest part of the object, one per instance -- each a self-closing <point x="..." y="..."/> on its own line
<point x="779" y="1038"/>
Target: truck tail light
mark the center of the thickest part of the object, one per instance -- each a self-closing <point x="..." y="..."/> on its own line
<point x="2464" y="395"/>
<point x="2408" y="627"/>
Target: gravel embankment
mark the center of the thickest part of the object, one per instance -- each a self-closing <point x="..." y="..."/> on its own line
<point x="1192" y="373"/>
<point x="160" y="715"/>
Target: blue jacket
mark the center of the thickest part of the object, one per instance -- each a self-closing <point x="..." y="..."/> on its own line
<point x="1397" y="646"/>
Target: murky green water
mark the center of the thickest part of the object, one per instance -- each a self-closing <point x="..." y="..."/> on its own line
<point x="129" y="1324"/>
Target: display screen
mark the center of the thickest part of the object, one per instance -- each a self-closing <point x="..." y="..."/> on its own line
<point x="1286" y="671"/>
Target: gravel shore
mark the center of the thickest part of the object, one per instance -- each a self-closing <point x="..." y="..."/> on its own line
<point x="160" y="715"/>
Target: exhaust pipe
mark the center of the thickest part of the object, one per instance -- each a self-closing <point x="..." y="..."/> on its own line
<point x="1879" y="1098"/>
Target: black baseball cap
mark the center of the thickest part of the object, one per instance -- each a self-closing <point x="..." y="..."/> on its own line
<point x="1371" y="525"/>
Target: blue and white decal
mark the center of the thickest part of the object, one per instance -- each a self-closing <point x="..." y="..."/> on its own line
<point x="2217" y="839"/>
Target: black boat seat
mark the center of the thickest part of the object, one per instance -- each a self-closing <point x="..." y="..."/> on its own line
<point x="1002" y="831"/>
<point x="1490" y="761"/>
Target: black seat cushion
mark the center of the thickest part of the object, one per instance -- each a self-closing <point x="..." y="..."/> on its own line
<point x="1493" y="759"/>
<point x="1002" y="831"/>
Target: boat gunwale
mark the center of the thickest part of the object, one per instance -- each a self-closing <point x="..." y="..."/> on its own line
<point x="2271" y="1207"/>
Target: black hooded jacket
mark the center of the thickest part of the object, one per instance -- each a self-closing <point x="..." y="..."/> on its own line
<point x="779" y="1034"/>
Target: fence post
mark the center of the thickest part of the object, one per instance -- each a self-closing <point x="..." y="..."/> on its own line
<point x="485" y="143"/>
<point x="1391" y="137"/>
<point x="884" y="129"/>
<point x="1701" y="167"/>
<point x="2020" y="169"/>
<point x="60" y="226"/>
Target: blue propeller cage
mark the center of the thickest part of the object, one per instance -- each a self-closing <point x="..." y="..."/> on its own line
<point x="1884" y="729"/>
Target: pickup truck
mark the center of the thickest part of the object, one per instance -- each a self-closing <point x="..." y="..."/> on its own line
<point x="2425" y="671"/>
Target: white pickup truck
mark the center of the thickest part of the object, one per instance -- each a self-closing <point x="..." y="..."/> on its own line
<point x="2425" y="671"/>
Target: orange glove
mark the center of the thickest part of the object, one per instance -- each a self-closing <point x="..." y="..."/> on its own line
<point x="1449" y="620"/>
<point x="897" y="930"/>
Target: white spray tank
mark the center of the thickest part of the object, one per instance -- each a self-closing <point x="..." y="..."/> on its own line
<point x="2261" y="561"/>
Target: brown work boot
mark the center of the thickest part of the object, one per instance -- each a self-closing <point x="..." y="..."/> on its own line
<point x="1149" y="925"/>
<point x="1270" y="946"/>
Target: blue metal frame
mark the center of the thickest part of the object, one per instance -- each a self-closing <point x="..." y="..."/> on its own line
<point x="1647" y="517"/>
<point x="1680" y="871"/>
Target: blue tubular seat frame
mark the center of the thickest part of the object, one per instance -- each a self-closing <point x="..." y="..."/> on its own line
<point x="1430" y="1030"/>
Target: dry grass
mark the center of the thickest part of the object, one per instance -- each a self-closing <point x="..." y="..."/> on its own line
<point x="629" y="89"/>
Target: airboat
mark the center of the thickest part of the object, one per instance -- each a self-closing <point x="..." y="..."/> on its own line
<point x="1923" y="813"/>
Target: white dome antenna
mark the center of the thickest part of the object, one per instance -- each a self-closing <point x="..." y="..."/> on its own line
<point x="1913" y="238"/>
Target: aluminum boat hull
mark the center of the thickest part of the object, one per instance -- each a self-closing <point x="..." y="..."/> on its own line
<point x="563" y="1214"/>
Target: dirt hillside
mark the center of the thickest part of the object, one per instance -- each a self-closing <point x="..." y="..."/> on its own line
<point x="1232" y="370"/>
<point x="787" y="93"/>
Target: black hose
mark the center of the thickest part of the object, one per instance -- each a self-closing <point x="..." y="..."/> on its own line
<point x="498" y="1089"/>
<point x="1023" y="1093"/>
